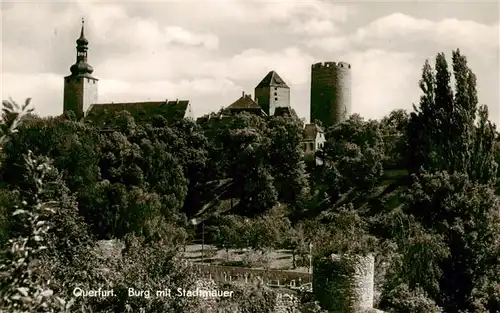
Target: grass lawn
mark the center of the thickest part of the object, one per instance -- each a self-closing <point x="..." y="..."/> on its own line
<point x="280" y="259"/>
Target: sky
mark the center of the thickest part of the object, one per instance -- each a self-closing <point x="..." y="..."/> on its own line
<point x="210" y="51"/>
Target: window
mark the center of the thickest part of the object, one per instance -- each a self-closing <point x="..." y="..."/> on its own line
<point x="275" y="88"/>
<point x="311" y="146"/>
<point x="275" y="93"/>
<point x="304" y="146"/>
<point x="275" y="99"/>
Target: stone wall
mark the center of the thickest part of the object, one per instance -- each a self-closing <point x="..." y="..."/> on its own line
<point x="340" y="283"/>
<point x="248" y="275"/>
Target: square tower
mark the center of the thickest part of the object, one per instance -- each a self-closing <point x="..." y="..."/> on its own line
<point x="80" y="92"/>
<point x="272" y="92"/>
<point x="330" y="92"/>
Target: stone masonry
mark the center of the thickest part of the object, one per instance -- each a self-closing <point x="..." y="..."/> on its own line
<point x="330" y="92"/>
<point x="344" y="283"/>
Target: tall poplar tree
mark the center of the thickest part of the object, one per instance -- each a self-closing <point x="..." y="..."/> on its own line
<point x="443" y="134"/>
<point x="451" y="152"/>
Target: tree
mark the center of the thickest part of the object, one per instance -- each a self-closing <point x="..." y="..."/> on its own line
<point x="186" y="142"/>
<point x="228" y="233"/>
<point x="267" y="231"/>
<point x="353" y="159"/>
<point x="113" y="210"/>
<point x="71" y="146"/>
<point x="295" y="240"/>
<point x="244" y="145"/>
<point x="442" y="133"/>
<point x="467" y="216"/>
<point x="451" y="159"/>
<point x="288" y="167"/>
<point x="394" y="128"/>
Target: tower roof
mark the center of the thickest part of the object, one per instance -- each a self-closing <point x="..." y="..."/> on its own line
<point x="81" y="67"/>
<point x="272" y="79"/>
<point x="82" y="41"/>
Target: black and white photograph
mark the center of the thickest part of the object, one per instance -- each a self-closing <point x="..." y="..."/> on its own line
<point x="247" y="156"/>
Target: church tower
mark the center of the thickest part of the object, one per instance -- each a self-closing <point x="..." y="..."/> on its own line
<point x="80" y="88"/>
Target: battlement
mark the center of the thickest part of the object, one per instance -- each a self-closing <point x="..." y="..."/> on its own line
<point x="344" y="65"/>
<point x="331" y="64"/>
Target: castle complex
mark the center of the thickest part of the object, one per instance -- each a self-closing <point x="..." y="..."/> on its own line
<point x="330" y="97"/>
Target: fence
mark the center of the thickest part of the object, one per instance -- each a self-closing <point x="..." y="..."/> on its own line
<point x="271" y="277"/>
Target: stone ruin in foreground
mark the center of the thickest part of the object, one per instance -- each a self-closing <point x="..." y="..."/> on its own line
<point x="345" y="283"/>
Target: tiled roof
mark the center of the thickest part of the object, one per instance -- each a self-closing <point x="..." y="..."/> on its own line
<point x="272" y="79"/>
<point x="245" y="102"/>
<point x="172" y="110"/>
<point x="310" y="131"/>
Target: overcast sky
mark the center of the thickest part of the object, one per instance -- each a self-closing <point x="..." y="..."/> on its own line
<point x="210" y="51"/>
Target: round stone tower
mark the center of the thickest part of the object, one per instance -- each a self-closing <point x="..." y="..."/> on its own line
<point x="344" y="283"/>
<point x="330" y="92"/>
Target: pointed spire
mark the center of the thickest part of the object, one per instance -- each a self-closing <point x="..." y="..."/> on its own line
<point x="82" y="41"/>
<point x="83" y="25"/>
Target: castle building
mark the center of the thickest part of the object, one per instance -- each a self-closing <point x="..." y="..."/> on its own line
<point x="81" y="97"/>
<point x="80" y="88"/>
<point x="330" y="92"/>
<point x="272" y="98"/>
<point x="244" y="104"/>
<point x="172" y="110"/>
<point x="272" y="92"/>
<point x="313" y="141"/>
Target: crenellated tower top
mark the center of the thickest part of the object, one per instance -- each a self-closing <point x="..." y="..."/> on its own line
<point x="331" y="64"/>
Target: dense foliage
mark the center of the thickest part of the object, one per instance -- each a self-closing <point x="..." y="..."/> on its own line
<point x="419" y="190"/>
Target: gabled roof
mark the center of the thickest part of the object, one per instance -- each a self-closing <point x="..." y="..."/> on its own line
<point x="311" y="130"/>
<point x="244" y="102"/>
<point x="172" y="110"/>
<point x="272" y="79"/>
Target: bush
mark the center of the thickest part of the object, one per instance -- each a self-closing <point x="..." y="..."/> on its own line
<point x="25" y="286"/>
<point x="256" y="259"/>
<point x="403" y="300"/>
